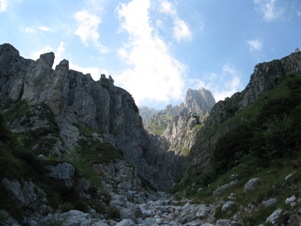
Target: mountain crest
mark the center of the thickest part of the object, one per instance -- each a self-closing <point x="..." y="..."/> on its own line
<point x="77" y="101"/>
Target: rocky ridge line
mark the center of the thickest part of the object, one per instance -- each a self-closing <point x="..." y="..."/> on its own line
<point x="77" y="100"/>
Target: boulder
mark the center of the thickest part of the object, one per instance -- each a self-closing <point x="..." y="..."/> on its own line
<point x="70" y="218"/>
<point x="290" y="200"/>
<point x="222" y="188"/>
<point x="252" y="184"/>
<point x="203" y="211"/>
<point x="64" y="172"/>
<point x="126" y="209"/>
<point x="126" y="222"/>
<point x="225" y="222"/>
<point x="269" y="202"/>
<point x="274" y="217"/>
<point x="227" y="206"/>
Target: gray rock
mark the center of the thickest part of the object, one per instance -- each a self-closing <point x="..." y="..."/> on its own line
<point x="290" y="199"/>
<point x="126" y="222"/>
<point x="274" y="217"/>
<point x="225" y="222"/>
<point x="227" y="206"/>
<point x="126" y="209"/>
<point x="100" y="223"/>
<point x="64" y="172"/>
<point x="203" y="211"/>
<point x="70" y="218"/>
<point x="269" y="202"/>
<point x="14" y="188"/>
<point x="222" y="188"/>
<point x="251" y="184"/>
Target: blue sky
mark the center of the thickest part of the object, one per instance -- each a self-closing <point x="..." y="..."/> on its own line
<point x="157" y="49"/>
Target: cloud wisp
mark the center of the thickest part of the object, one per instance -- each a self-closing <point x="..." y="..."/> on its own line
<point x="87" y="28"/>
<point x="254" y="45"/>
<point x="88" y="22"/>
<point x="35" y="29"/>
<point x="268" y="9"/>
<point x="3" y="5"/>
<point x="154" y="75"/>
<point x="181" y="30"/>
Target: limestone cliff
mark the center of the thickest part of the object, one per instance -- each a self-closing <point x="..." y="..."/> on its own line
<point x="77" y="101"/>
<point x="181" y="133"/>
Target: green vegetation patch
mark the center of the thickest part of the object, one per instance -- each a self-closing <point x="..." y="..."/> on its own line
<point x="87" y="153"/>
<point x="271" y="134"/>
<point x="17" y="109"/>
<point x="158" y="124"/>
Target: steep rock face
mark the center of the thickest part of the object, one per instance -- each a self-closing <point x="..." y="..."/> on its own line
<point x="13" y="70"/>
<point x="77" y="100"/>
<point x="265" y="77"/>
<point x="181" y="132"/>
<point x="199" y="101"/>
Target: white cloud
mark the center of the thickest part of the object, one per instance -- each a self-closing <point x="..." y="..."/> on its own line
<point x="167" y="7"/>
<point x="254" y="45"/>
<point x="3" y="5"/>
<point x="34" y="29"/>
<point x="154" y="74"/>
<point x="269" y="9"/>
<point x="87" y="28"/>
<point x="299" y="13"/>
<point x="29" y="30"/>
<point x="44" y="28"/>
<point x="181" y="30"/>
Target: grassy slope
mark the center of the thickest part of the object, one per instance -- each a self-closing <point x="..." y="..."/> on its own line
<point x="265" y="144"/>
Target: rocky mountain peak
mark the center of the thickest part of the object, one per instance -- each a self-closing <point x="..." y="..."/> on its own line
<point x="8" y="49"/>
<point x="179" y="124"/>
<point x="199" y="101"/>
<point x="47" y="58"/>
